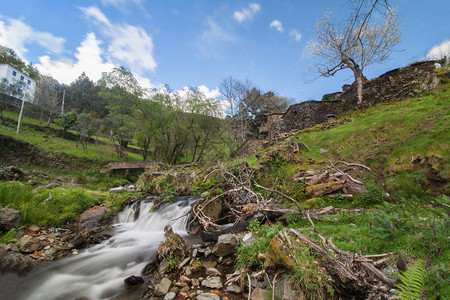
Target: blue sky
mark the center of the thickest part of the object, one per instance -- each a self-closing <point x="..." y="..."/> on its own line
<point x="199" y="43"/>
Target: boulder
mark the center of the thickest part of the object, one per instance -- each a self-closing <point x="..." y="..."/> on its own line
<point x="284" y="290"/>
<point x="226" y="245"/>
<point x="9" y="218"/>
<point x="213" y="210"/>
<point x="78" y="241"/>
<point x="91" y="218"/>
<point x="162" y="288"/>
<point x="15" y="262"/>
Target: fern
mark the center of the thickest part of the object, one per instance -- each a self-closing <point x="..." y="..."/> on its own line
<point x="412" y="282"/>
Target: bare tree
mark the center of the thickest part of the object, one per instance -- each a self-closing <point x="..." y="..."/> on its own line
<point x="357" y="42"/>
<point x="234" y="91"/>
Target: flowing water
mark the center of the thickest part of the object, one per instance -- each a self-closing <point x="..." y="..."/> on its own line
<point x="98" y="272"/>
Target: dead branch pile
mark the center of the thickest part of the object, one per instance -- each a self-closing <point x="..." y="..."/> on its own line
<point x="352" y="275"/>
<point x="332" y="181"/>
<point x="242" y="201"/>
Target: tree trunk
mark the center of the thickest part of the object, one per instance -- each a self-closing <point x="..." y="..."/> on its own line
<point x="359" y="89"/>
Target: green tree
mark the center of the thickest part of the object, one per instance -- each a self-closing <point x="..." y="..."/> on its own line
<point x="122" y="92"/>
<point x="355" y="43"/>
<point x="67" y="121"/>
<point x="82" y="95"/>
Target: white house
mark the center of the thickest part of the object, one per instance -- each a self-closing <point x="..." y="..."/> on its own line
<point x="13" y="75"/>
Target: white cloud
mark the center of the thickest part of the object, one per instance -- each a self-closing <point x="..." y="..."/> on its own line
<point x="130" y="45"/>
<point x="295" y="35"/>
<point x="88" y="59"/>
<point x="247" y="13"/>
<point x="9" y="36"/>
<point x="439" y="51"/>
<point x="277" y="25"/>
<point x="212" y="39"/>
<point x="96" y="14"/>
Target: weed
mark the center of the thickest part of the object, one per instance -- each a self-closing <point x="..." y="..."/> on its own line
<point x="308" y="276"/>
<point x="248" y="255"/>
<point x="387" y="226"/>
<point x="8" y="237"/>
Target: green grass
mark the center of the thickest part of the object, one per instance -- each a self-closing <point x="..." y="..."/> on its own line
<point x="58" y="206"/>
<point x="100" y="154"/>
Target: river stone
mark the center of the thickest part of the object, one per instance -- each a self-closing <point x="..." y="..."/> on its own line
<point x="213" y="282"/>
<point x="33" y="230"/>
<point x="163" y="287"/>
<point x="78" y="241"/>
<point x="15" y="262"/>
<point x="213" y="272"/>
<point x="9" y="218"/>
<point x="226" y="245"/>
<point x="133" y="281"/>
<point x="208" y="296"/>
<point x="170" y="296"/>
<point x="27" y="244"/>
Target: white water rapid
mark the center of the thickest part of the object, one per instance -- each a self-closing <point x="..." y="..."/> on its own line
<point x="99" y="272"/>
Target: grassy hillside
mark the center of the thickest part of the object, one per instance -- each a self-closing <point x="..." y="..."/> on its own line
<point x="405" y="143"/>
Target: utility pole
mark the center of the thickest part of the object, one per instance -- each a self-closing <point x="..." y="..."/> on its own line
<point x="62" y="105"/>
<point x="21" y="109"/>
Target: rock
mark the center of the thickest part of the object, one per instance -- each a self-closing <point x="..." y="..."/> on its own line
<point x="15" y="262"/>
<point x="117" y="189"/>
<point x="27" y="244"/>
<point x="260" y="294"/>
<point x="163" y="287"/>
<point x="233" y="288"/>
<point x="208" y="296"/>
<point x="213" y="272"/>
<point x="226" y="245"/>
<point x="34" y="182"/>
<point x="78" y="241"/>
<point x="184" y="262"/>
<point x="209" y="264"/>
<point x="170" y="296"/>
<point x="9" y="218"/>
<point x="195" y="282"/>
<point x="213" y="282"/>
<point x="213" y="210"/>
<point x="91" y="218"/>
<point x="284" y="290"/>
<point x="150" y="268"/>
<point x="175" y="289"/>
<point x="163" y="268"/>
<point x="33" y="230"/>
<point x="322" y="151"/>
<point x="133" y="281"/>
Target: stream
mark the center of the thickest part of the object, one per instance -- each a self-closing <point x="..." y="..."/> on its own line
<point x="99" y="272"/>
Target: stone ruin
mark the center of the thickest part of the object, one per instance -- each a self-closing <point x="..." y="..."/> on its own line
<point x="395" y="85"/>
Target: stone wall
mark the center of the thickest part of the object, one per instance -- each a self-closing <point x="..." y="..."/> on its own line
<point x="395" y="85"/>
<point x="307" y="114"/>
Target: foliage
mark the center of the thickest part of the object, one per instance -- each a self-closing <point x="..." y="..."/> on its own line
<point x="374" y="194"/>
<point x="308" y="276"/>
<point x="67" y="121"/>
<point x="8" y="237"/>
<point x="248" y="255"/>
<point x="412" y="281"/>
<point x="387" y="226"/>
